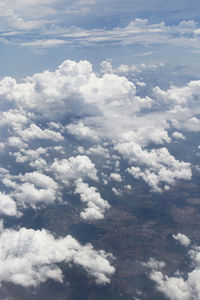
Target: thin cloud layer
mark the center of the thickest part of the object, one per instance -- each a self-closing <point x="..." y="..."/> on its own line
<point x="138" y="31"/>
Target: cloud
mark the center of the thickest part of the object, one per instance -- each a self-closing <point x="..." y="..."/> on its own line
<point x="28" y="193"/>
<point x="116" y="177"/>
<point x="95" y="104"/>
<point x="174" y="288"/>
<point x="12" y="21"/>
<point x="22" y="21"/>
<point x="71" y="88"/>
<point x="178" y="135"/>
<point x="117" y="192"/>
<point x="68" y="170"/>
<point x="154" y="264"/>
<point x="38" y="179"/>
<point x="181" y="285"/>
<point x="138" y="31"/>
<point x="161" y="166"/>
<point x="29" y="257"/>
<point x="182" y="239"/>
<point x="96" y="206"/>
<point x="33" y="132"/>
<point x="32" y="188"/>
<point x="7" y="205"/>
<point x="45" y="43"/>
<point x="98" y="150"/>
<point x="33" y="156"/>
<point x="82" y="132"/>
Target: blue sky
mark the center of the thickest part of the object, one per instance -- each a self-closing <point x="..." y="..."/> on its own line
<point x="38" y="34"/>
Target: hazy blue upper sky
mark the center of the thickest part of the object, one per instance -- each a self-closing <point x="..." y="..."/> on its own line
<point x="38" y="34"/>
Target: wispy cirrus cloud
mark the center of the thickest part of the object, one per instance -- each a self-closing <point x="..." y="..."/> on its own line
<point x="139" y="32"/>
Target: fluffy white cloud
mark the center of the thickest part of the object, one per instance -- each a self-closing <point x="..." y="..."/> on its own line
<point x="96" y="206"/>
<point x="29" y="257"/>
<point x="154" y="264"/>
<point x="34" y="156"/>
<point x="98" y="150"/>
<point x="117" y="192"/>
<point x="82" y="132"/>
<point x="182" y="103"/>
<point x="147" y="134"/>
<point x="33" y="132"/>
<point x="99" y="102"/>
<point x="31" y="188"/>
<point x="72" y="89"/>
<point x="15" y="141"/>
<point x="27" y="193"/>
<point x="179" y="95"/>
<point x="182" y="285"/>
<point x="39" y="180"/>
<point x="178" y="135"/>
<point x="174" y="288"/>
<point x="68" y="170"/>
<point x="182" y="239"/>
<point x="7" y="205"/>
<point x="116" y="177"/>
<point x="14" y="117"/>
<point x="160" y="165"/>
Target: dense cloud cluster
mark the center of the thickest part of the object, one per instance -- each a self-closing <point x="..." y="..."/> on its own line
<point x="107" y="108"/>
<point x="162" y="167"/>
<point x="67" y="131"/>
<point x="28" y="257"/>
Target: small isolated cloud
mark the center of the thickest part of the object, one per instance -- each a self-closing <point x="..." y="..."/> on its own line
<point x="30" y="194"/>
<point x="154" y="264"/>
<point x="96" y="206"/>
<point x="182" y="239"/>
<point x="117" y="192"/>
<point x="116" y="177"/>
<point x="178" y="135"/>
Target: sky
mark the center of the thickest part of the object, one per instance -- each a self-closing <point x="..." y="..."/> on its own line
<point x="38" y="35"/>
<point x="95" y="96"/>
